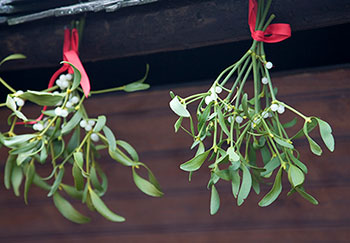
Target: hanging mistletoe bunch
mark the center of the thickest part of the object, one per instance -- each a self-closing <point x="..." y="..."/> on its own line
<point x="240" y="128"/>
<point x="67" y="139"/>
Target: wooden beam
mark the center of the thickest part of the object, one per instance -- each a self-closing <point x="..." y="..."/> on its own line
<point x="163" y="26"/>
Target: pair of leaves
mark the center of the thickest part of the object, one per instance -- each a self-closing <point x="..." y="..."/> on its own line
<point x="150" y="187"/>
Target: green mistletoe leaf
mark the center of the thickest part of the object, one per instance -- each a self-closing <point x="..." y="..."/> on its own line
<point x="195" y="163"/>
<point x="272" y="195"/>
<point x="68" y="211"/>
<point x="214" y="201"/>
<point x="326" y="134"/>
<point x="103" y="209"/>
<point x="178" y="108"/>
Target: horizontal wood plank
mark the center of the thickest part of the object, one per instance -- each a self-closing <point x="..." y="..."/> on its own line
<point x="162" y="26"/>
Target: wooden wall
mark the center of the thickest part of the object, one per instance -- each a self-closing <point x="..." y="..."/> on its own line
<point x="182" y="215"/>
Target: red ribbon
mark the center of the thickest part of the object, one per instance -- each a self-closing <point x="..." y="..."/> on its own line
<point x="273" y="33"/>
<point x="70" y="54"/>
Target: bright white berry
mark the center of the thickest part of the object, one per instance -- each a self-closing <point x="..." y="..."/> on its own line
<point x="239" y="119"/>
<point x="274" y="107"/>
<point x="264" y="80"/>
<point x="64" y="113"/>
<point x="230" y="119"/>
<point x="94" y="137"/>
<point x="62" y="78"/>
<point x="269" y="65"/>
<point x="75" y="99"/>
<point x="91" y="122"/>
<point x="281" y="109"/>
<point x="56" y="92"/>
<point x="58" y="111"/>
<point x="270" y="114"/>
<point x="65" y="84"/>
<point x="218" y="90"/>
<point x="58" y="82"/>
<point x="208" y="99"/>
<point x="19" y="102"/>
<point x="265" y="114"/>
<point x="39" y="127"/>
<point x="88" y="127"/>
<point x="19" y="92"/>
<point x="69" y="104"/>
<point x="83" y="123"/>
<point x="69" y="76"/>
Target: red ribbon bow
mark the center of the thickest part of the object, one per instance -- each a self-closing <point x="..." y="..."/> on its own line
<point x="273" y="33"/>
<point x="70" y="54"/>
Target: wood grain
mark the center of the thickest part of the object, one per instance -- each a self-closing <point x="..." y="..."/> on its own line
<point x="145" y="120"/>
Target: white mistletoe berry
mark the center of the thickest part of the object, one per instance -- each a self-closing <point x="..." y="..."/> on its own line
<point x="58" y="111"/>
<point x="69" y="104"/>
<point x="65" y="84"/>
<point x="94" y="137"/>
<point x="75" y="99"/>
<point x="64" y="113"/>
<point x="91" y="122"/>
<point x="218" y="90"/>
<point x="208" y="99"/>
<point x="83" y="123"/>
<point x="62" y="78"/>
<point x="229" y="119"/>
<point x="38" y="127"/>
<point x="69" y="76"/>
<point x="274" y="107"/>
<point x="281" y="109"/>
<point x="269" y="65"/>
<point x="19" y="92"/>
<point x="239" y="119"/>
<point x="264" y="80"/>
<point x="19" y="102"/>
<point x="265" y="114"/>
<point x="88" y="127"/>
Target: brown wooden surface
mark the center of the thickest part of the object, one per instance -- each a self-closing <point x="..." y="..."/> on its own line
<point x="182" y="215"/>
<point x="163" y="26"/>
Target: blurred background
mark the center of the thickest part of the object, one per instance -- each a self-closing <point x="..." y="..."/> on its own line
<point x="187" y="44"/>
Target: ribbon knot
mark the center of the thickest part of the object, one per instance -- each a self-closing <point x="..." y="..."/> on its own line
<point x="70" y="54"/>
<point x="273" y="33"/>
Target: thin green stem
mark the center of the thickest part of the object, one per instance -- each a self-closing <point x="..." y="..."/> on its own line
<point x="3" y="82"/>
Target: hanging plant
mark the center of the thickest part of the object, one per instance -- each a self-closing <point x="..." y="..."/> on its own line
<point x="238" y="128"/>
<point x="67" y="139"/>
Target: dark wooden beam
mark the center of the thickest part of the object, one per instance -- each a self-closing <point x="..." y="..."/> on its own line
<point x="163" y="26"/>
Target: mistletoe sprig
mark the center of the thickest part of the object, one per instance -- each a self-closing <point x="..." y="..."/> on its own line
<point x="239" y="128"/>
<point x="69" y="141"/>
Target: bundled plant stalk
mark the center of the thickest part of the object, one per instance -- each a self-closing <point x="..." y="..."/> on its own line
<point x="239" y="128"/>
<point x="69" y="141"/>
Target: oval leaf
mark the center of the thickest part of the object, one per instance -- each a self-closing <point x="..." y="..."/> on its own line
<point x="233" y="156"/>
<point x="101" y="122"/>
<point x="295" y="175"/>
<point x="195" y="163"/>
<point x="179" y="108"/>
<point x="145" y="186"/>
<point x="326" y="134"/>
<point x="283" y="143"/>
<point x="272" y="195"/>
<point x="102" y="208"/>
<point x="68" y="211"/>
<point x="214" y="201"/>
<point x="246" y="185"/>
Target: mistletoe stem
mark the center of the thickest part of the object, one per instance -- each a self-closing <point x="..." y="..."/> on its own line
<point x="3" y="82"/>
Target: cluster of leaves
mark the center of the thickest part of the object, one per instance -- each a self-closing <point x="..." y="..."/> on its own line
<point x="70" y="150"/>
<point x="240" y="129"/>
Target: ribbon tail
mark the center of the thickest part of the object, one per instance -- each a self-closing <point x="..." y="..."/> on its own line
<point x="73" y="58"/>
